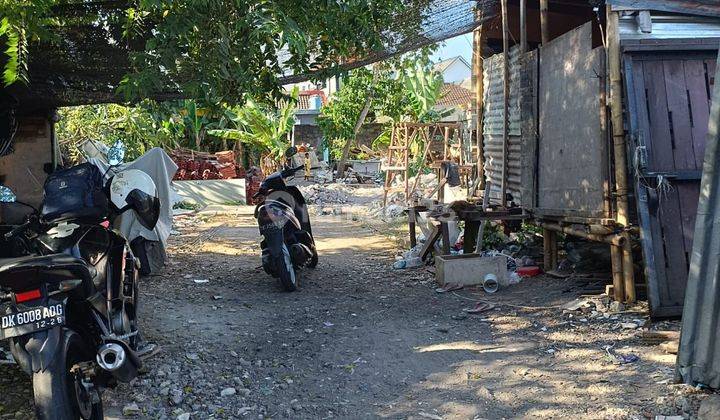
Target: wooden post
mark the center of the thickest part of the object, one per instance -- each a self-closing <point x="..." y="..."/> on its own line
<point x="523" y="26"/>
<point x="617" y="273"/>
<point x="506" y="102"/>
<point x="446" y="143"/>
<point x="547" y="250"/>
<point x="445" y="232"/>
<point x="412" y="221"/>
<point x="544" y="22"/>
<point x="554" y="256"/>
<point x="619" y="152"/>
<point x="406" y="165"/>
<point x="478" y="42"/>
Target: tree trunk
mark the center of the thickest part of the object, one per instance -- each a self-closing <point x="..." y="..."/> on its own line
<point x="356" y="130"/>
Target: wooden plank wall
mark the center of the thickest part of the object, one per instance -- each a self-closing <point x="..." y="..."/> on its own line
<point x="572" y="148"/>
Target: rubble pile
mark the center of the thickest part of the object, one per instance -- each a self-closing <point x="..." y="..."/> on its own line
<point x="426" y="186"/>
<point x="325" y="194"/>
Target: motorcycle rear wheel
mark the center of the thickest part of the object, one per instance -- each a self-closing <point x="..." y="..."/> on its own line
<point x="286" y="271"/>
<point x="58" y="395"/>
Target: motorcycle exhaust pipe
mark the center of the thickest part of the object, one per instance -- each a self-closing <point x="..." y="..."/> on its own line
<point x="116" y="358"/>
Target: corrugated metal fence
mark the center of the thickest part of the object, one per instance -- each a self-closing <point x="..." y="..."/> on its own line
<point x="493" y="124"/>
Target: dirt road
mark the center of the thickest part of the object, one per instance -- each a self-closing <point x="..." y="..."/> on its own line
<point x="362" y="341"/>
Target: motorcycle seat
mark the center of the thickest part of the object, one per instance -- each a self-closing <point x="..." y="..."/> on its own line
<point x="62" y="264"/>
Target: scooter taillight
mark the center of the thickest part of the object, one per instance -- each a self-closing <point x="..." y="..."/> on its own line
<point x="28" y="296"/>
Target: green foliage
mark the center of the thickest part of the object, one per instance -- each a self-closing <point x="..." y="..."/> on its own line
<point x="261" y="126"/>
<point x="402" y="89"/>
<point x="424" y="89"/>
<point x="225" y="49"/>
<point x="338" y="118"/>
<point x="134" y="126"/>
<point x="21" y="22"/>
<point x="218" y="49"/>
<point x="493" y="236"/>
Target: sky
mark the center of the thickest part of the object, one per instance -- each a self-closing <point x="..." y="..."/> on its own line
<point x="461" y="45"/>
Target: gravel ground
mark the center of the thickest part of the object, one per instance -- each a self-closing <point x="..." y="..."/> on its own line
<point x="362" y="341"/>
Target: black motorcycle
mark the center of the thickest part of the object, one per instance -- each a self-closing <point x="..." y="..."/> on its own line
<point x="69" y="290"/>
<point x="282" y="213"/>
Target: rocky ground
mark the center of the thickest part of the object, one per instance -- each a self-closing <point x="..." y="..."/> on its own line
<point x="362" y="341"/>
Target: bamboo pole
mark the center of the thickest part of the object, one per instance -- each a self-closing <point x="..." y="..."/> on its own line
<point x="619" y="146"/>
<point x="506" y="102"/>
<point x="615" y="239"/>
<point x="478" y="41"/>
<point x="523" y="26"/>
<point x="544" y="22"/>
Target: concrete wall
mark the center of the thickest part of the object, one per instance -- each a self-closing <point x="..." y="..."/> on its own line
<point x="24" y="169"/>
<point x="311" y="134"/>
<point x="220" y="191"/>
<point x="306" y="133"/>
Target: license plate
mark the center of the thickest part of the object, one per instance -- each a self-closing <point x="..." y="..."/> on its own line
<point x="28" y="321"/>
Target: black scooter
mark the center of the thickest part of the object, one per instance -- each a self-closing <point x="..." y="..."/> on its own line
<point x="69" y="298"/>
<point x="284" y="222"/>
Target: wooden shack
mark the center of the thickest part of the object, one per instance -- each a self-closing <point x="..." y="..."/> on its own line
<point x="594" y="120"/>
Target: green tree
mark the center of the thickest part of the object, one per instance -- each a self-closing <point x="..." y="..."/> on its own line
<point x="262" y="126"/>
<point x="338" y="118"/>
<point x="222" y="49"/>
<point x="402" y="89"/>
<point x="134" y="126"/>
<point x="424" y="89"/>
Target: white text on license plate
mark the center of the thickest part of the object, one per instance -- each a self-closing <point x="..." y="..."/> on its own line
<point x="42" y="317"/>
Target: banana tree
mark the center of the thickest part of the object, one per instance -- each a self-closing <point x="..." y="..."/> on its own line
<point x="262" y="126"/>
<point x="424" y="89"/>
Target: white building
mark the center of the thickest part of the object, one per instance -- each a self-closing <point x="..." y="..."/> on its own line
<point x="454" y="70"/>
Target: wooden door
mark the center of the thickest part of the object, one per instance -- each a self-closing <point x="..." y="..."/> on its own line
<point x="669" y="106"/>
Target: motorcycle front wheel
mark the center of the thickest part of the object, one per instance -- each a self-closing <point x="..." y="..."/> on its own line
<point x="58" y="393"/>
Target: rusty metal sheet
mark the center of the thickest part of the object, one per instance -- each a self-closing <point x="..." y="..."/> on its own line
<point x="572" y="148"/>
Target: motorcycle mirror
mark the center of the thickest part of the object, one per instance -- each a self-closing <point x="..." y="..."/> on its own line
<point x="146" y="206"/>
<point x="116" y="154"/>
<point x="290" y="152"/>
<point x="7" y="195"/>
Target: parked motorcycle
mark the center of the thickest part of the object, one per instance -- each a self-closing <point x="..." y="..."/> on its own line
<point x="69" y="291"/>
<point x="288" y="243"/>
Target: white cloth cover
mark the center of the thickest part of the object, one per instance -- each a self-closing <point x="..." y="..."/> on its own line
<point x="161" y="169"/>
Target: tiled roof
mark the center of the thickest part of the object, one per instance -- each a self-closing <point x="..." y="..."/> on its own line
<point x="304" y="98"/>
<point x="455" y="96"/>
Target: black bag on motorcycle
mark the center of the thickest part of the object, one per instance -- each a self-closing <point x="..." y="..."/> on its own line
<point x="75" y="192"/>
